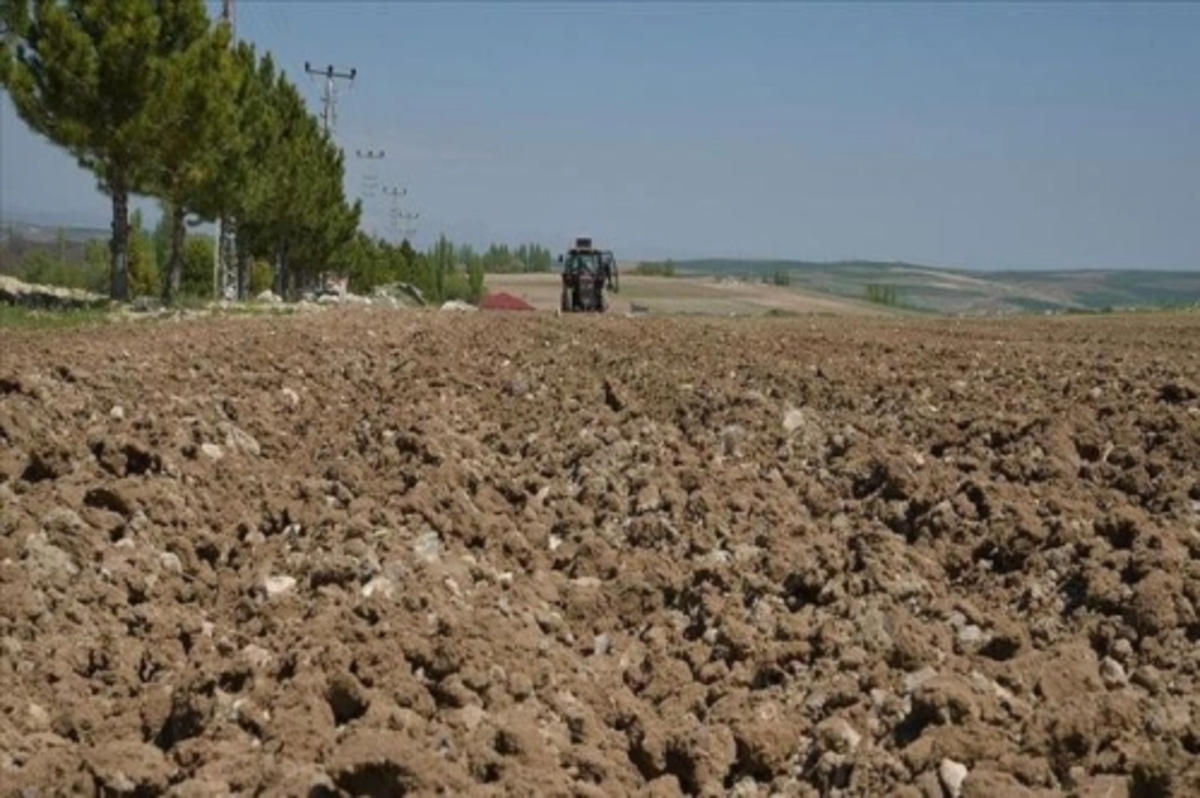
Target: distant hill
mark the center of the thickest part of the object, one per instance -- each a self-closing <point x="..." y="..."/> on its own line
<point x="48" y="234"/>
<point x="943" y="290"/>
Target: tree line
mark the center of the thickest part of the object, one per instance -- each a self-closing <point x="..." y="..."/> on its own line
<point x="156" y="99"/>
<point x="447" y="271"/>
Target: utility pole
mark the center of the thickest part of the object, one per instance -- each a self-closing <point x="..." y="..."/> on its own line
<point x="396" y="215"/>
<point x="369" y="178"/>
<point x="329" y="97"/>
<point x="228" y="280"/>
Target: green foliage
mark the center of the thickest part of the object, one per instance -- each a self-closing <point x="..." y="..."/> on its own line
<point x="475" y="276"/>
<point x="196" y="278"/>
<point x="261" y="275"/>
<point x="13" y="317"/>
<point x="84" y="73"/>
<point x="881" y="294"/>
<point x="195" y="90"/>
<point x="664" y="268"/>
<point x="441" y="262"/>
<point x="502" y="259"/>
<point x="46" y="267"/>
<point x="154" y="98"/>
<point x="144" y="277"/>
<point x="780" y="277"/>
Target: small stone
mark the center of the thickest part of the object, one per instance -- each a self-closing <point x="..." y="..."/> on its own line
<point x="170" y="561"/>
<point x="520" y="686"/>
<point x="914" y="680"/>
<point x="292" y="398"/>
<point x="278" y="585"/>
<point x="212" y="451"/>
<point x="381" y="585"/>
<point x="1149" y="678"/>
<point x="952" y="775"/>
<point x="970" y="635"/>
<point x="731" y="439"/>
<point x="837" y="735"/>
<point x="471" y="716"/>
<point x="117" y="413"/>
<point x="39" y="718"/>
<point x="256" y="656"/>
<point x="793" y="420"/>
<point x="63" y="520"/>
<point x="1113" y="673"/>
<point x="238" y="440"/>
<point x="428" y="547"/>
<point x="601" y="644"/>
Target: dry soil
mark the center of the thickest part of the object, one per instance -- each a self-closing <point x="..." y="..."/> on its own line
<point x="361" y="552"/>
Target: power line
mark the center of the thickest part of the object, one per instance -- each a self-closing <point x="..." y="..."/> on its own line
<point x="329" y="96"/>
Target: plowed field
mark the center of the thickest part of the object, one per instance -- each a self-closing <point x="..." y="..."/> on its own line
<point x="362" y="552"/>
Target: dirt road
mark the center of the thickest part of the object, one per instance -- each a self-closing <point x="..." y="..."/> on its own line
<point x="381" y="553"/>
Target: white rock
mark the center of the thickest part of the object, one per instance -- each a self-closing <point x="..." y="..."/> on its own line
<point x="1113" y="673"/>
<point x="278" y="585"/>
<point x="63" y="520"/>
<point x="212" y="451"/>
<point x="170" y="561"/>
<point x="793" y="420"/>
<point x="238" y="440"/>
<point x="44" y="559"/>
<point x="428" y="547"/>
<point x="601" y="645"/>
<point x="381" y="585"/>
<point x="256" y="656"/>
<point x="914" y="680"/>
<point x="970" y="634"/>
<point x="39" y="718"/>
<point x="293" y="398"/>
<point x="952" y="775"/>
<point x="117" y="413"/>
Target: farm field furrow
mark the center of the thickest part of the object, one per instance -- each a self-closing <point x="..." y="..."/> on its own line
<point x="367" y="552"/>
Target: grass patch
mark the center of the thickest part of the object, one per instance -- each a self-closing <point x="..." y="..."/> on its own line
<point x="13" y="317"/>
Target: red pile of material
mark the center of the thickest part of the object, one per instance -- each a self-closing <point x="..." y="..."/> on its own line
<point x="503" y="301"/>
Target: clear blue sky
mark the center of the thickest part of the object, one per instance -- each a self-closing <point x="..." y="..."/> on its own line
<point x="978" y="135"/>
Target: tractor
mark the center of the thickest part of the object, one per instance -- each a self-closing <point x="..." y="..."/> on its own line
<point x="587" y="273"/>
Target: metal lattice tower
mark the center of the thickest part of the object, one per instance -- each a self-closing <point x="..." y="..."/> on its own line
<point x="226" y="284"/>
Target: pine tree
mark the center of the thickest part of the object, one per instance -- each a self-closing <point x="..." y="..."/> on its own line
<point x="82" y="73"/>
<point x="197" y="89"/>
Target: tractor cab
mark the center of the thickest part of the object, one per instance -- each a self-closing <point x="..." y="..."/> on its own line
<point x="587" y="273"/>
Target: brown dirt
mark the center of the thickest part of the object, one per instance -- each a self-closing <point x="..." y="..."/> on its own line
<point x="382" y="553"/>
